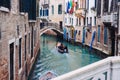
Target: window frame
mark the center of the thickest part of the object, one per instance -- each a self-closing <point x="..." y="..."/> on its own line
<point x="0" y="33"/>
<point x="99" y="30"/>
<point x="20" y="53"/>
<point x="105" y="35"/>
<point x="95" y="20"/>
<point x="60" y="9"/>
<point x="52" y="9"/>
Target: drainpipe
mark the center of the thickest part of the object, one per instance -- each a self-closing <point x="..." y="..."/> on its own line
<point x="117" y="28"/>
<point x="63" y="25"/>
<point x="111" y="70"/>
<point x="85" y="13"/>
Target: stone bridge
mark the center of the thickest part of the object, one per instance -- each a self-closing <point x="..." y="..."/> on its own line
<point x="51" y="26"/>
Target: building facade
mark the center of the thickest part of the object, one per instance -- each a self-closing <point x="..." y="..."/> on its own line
<point x="80" y="13"/>
<point x="56" y="12"/>
<point x="93" y="23"/>
<point x="70" y="19"/>
<point x="118" y="28"/>
<point x="19" y="38"/>
<point x="44" y="9"/>
<point x="52" y="12"/>
<point x="90" y="22"/>
<point x="83" y="21"/>
<point x="107" y="26"/>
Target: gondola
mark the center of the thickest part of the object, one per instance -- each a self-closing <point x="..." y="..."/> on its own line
<point x="48" y="75"/>
<point x="61" y="48"/>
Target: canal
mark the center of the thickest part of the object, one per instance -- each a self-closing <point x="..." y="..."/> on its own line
<point x="49" y="59"/>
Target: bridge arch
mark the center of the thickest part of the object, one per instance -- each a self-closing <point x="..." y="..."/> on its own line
<point x="57" y="31"/>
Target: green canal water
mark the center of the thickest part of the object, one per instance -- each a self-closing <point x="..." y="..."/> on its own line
<point x="49" y="59"/>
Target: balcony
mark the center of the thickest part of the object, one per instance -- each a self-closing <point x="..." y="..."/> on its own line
<point x="45" y="5"/>
<point x="112" y="18"/>
<point x="80" y="12"/>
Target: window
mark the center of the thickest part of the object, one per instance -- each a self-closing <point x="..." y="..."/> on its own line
<point x="87" y="20"/>
<point x="17" y="29"/>
<point x="91" y="21"/>
<point x="113" y="6"/>
<point x="98" y="33"/>
<point x="25" y="27"/>
<point x="28" y="6"/>
<point x="25" y="46"/>
<point x="76" y="21"/>
<point x="29" y="43"/>
<point x="105" y="35"/>
<point x="65" y="20"/>
<point x="44" y="12"/>
<point x="76" y="31"/>
<point x="5" y="3"/>
<point x="32" y="41"/>
<point x="79" y="32"/>
<point x="95" y="3"/>
<point x="72" y="21"/>
<point x="11" y="61"/>
<point x="88" y="4"/>
<point x="94" y="20"/>
<point x="0" y="33"/>
<point x="34" y="37"/>
<point x="60" y="9"/>
<point x="81" y="4"/>
<point x="69" y="20"/>
<point x="98" y="8"/>
<point x="52" y="9"/>
<point x="21" y="5"/>
<point x="20" y="53"/>
<point x="77" y="5"/>
<point x="47" y="12"/>
<point x="105" y="5"/>
<point x="41" y="12"/>
<point x="79" y="21"/>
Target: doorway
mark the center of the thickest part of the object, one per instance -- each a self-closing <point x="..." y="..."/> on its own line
<point x="61" y="23"/>
<point x="112" y="35"/>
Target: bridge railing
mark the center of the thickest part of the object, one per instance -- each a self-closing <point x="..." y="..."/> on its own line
<point x="107" y="69"/>
<point x="50" y="24"/>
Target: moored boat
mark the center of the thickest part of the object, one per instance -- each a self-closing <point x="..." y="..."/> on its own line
<point x="48" y="76"/>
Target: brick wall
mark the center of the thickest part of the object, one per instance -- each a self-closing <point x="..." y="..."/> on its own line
<point x="106" y="48"/>
<point x="8" y="23"/>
